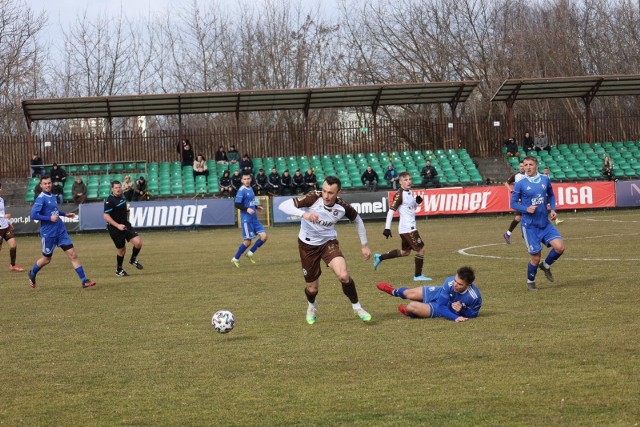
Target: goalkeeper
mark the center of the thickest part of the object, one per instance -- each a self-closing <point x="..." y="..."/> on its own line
<point x="405" y="204"/>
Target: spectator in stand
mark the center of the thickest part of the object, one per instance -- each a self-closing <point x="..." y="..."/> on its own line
<point x="180" y="148"/>
<point x="58" y="178"/>
<point x="286" y="183"/>
<point x="79" y="191"/>
<point x="221" y="156"/>
<point x="36" y="166"/>
<point x="225" y="184"/>
<point x="391" y="176"/>
<point x="512" y="148"/>
<point x="298" y="182"/>
<point x="140" y="190"/>
<point x="246" y="164"/>
<point x="527" y="142"/>
<point x="127" y="188"/>
<point x="541" y="142"/>
<point x="200" y="166"/>
<point x="370" y="179"/>
<point x="233" y="155"/>
<point x="274" y="182"/>
<point x="187" y="155"/>
<point x="607" y="168"/>
<point x="236" y="182"/>
<point x="430" y="176"/>
<point x="310" y="180"/>
<point x="261" y="183"/>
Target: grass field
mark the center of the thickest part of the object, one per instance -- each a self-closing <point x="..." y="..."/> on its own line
<point x="140" y="351"/>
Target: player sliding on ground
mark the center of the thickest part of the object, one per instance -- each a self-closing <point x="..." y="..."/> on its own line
<point x="458" y="298"/>
<point x="317" y="241"/>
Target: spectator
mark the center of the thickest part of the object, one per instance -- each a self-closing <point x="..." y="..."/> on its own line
<point x="200" y="166"/>
<point x="391" y="176"/>
<point x="541" y="142"/>
<point x="286" y="183"/>
<point x="274" y="182"/>
<point x="140" y="190"/>
<point x="246" y="164"/>
<point x="79" y="191"/>
<point x="298" y="182"/>
<point x="58" y="178"/>
<point x="36" y="166"/>
<point x="261" y="186"/>
<point x="310" y="180"/>
<point x="225" y="184"/>
<point x="527" y="142"/>
<point x="221" y="156"/>
<point x="236" y="182"/>
<point x="187" y="155"/>
<point x="127" y="188"/>
<point x="430" y="176"/>
<point x="233" y="155"/>
<point x="370" y="179"/>
<point x="607" y="168"/>
<point x="512" y="148"/>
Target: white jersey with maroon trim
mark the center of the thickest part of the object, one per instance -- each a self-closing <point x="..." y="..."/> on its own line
<point x="321" y="231"/>
<point x="405" y="204"/>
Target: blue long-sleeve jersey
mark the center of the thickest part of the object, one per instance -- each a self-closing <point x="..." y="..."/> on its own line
<point x="246" y="198"/>
<point x="43" y="208"/>
<point x="533" y="191"/>
<point x="470" y="299"/>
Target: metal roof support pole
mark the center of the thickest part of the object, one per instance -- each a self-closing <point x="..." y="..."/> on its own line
<point x="307" y="131"/>
<point x="238" y="121"/>
<point x="374" y="110"/>
<point x="109" y="138"/>
<point x="180" y="131"/>
<point x="587" y="103"/>
<point x="29" y="140"/>
<point x="453" y="105"/>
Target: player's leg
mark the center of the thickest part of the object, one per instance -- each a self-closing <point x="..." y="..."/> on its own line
<point x="512" y="226"/>
<point x="13" y="250"/>
<point x="413" y="241"/>
<point x="48" y="244"/>
<point x="554" y="240"/>
<point x="310" y="257"/>
<point x="415" y="309"/>
<point x="531" y="237"/>
<point x="70" y="251"/>
<point x="136" y="241"/>
<point x="247" y="235"/>
<point x="403" y="292"/>
<point x="118" y="239"/>
<point x="259" y="230"/>
<point x="339" y="266"/>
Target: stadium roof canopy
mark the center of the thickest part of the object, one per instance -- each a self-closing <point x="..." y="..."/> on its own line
<point x="236" y="102"/>
<point x="585" y="87"/>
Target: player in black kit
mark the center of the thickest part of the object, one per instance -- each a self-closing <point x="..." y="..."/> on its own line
<point x="116" y="214"/>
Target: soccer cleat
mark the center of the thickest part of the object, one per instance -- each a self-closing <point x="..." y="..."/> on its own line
<point x="250" y="256"/>
<point x="507" y="238"/>
<point x="121" y="273"/>
<point x="362" y="314"/>
<point x="235" y="262"/>
<point x="559" y="221"/>
<point x="403" y="309"/>
<point x="311" y="315"/>
<point x="421" y="278"/>
<point x="376" y="261"/>
<point x="15" y="268"/>
<point x="532" y="286"/>
<point x="32" y="279"/>
<point x="386" y="287"/>
<point x="547" y="271"/>
<point x="88" y="283"/>
<point x="136" y="263"/>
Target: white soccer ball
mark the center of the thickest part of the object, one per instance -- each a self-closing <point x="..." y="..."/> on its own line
<point x="223" y="321"/>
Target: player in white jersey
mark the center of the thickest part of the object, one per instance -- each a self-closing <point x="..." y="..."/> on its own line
<point x="516" y="220"/>
<point x="405" y="204"/>
<point x="7" y="233"/>
<point x="317" y="241"/>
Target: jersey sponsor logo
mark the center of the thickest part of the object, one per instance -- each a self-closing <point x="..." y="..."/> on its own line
<point x="154" y="216"/>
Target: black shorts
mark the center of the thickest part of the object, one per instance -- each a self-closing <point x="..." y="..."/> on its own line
<point x="119" y="237"/>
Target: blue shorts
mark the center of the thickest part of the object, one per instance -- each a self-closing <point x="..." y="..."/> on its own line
<point x="49" y="243"/>
<point x="430" y="295"/>
<point x="533" y="236"/>
<point x="251" y="227"/>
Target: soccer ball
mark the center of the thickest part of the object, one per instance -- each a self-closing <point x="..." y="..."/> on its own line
<point x="223" y="321"/>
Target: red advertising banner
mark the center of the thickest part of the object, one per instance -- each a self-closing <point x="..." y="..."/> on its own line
<point x="488" y="199"/>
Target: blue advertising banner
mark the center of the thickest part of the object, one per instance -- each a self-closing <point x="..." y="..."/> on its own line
<point x="165" y="214"/>
<point x="22" y="223"/>
<point x="627" y="194"/>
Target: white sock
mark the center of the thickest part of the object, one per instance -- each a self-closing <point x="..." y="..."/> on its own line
<point x="249" y="253"/>
<point x="313" y="305"/>
<point x="356" y="306"/>
<point x="508" y="233"/>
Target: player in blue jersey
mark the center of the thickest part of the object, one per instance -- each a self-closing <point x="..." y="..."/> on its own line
<point x="53" y="233"/>
<point x="530" y="197"/>
<point x="458" y="298"/>
<point x="251" y="227"/>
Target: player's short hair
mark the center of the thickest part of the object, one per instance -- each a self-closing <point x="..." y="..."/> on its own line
<point x="467" y="274"/>
<point x="45" y="176"/>
<point x="534" y="158"/>
<point x="246" y="172"/>
<point x="333" y="180"/>
<point x="403" y="174"/>
<point x="115" y="182"/>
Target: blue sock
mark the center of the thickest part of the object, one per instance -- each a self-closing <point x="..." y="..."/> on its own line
<point x="240" y="251"/>
<point x="35" y="269"/>
<point x="552" y="257"/>
<point x="257" y="245"/>
<point x="531" y="271"/>
<point x="399" y="292"/>
<point x="80" y="272"/>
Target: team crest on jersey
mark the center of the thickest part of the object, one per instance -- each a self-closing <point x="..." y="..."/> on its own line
<point x="334" y="213"/>
<point x="432" y="288"/>
<point x="304" y="272"/>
